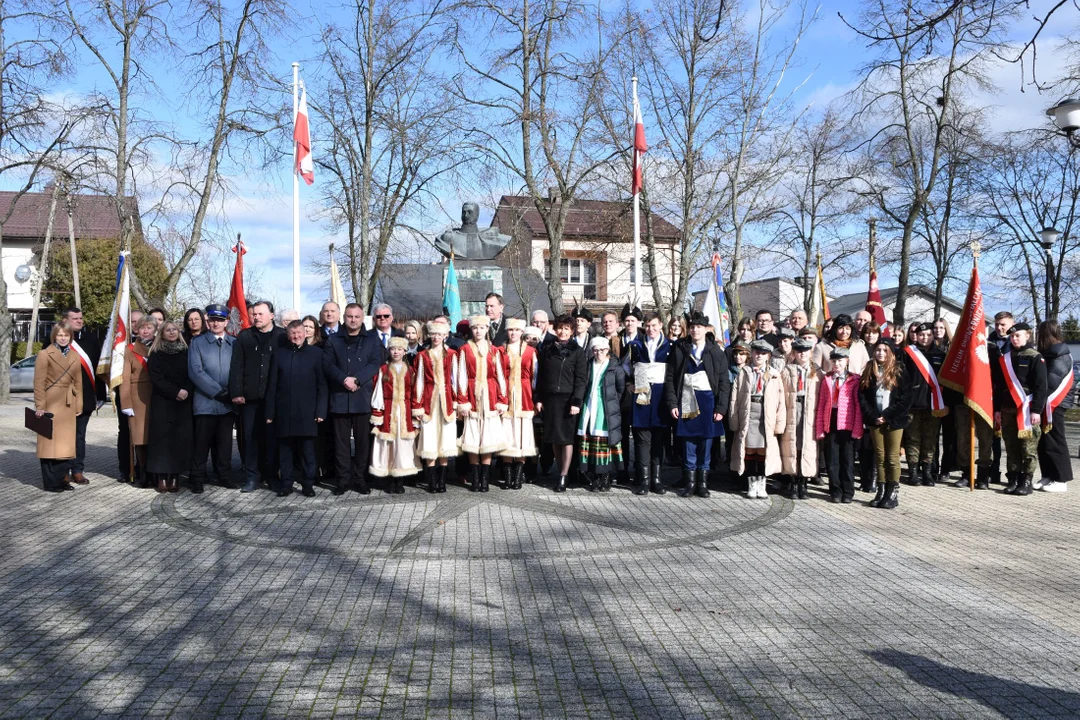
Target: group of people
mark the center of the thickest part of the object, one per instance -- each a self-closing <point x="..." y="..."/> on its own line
<point x="327" y="399"/>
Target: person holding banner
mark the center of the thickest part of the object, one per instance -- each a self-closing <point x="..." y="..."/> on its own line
<point x="58" y="392"/>
<point x="1054" y="464"/>
<point x="1019" y="403"/>
<point x="86" y="347"/>
<point x="922" y="362"/>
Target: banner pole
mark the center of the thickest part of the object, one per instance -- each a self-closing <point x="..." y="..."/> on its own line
<point x="971" y="453"/>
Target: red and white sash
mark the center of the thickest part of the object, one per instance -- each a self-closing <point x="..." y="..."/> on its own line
<point x="87" y="366"/>
<point x="1055" y="398"/>
<point x="937" y="401"/>
<point x="142" y="359"/>
<point x="1020" y="398"/>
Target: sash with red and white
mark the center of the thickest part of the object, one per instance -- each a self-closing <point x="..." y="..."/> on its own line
<point x="937" y="401"/>
<point x="87" y="366"/>
<point x="1055" y="399"/>
<point x="1019" y="397"/>
<point x="142" y="358"/>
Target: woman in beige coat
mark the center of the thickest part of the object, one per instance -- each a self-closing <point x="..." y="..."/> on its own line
<point x="135" y="392"/>
<point x="841" y="335"/>
<point x="798" y="448"/>
<point x="58" y="392"/>
<point x="758" y="417"/>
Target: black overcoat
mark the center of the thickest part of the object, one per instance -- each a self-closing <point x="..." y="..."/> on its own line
<point x="361" y="360"/>
<point x="171" y="424"/>
<point x="296" y="394"/>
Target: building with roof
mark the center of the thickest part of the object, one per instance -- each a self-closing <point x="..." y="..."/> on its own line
<point x="93" y="217"/>
<point x="779" y="295"/>
<point x="918" y="308"/>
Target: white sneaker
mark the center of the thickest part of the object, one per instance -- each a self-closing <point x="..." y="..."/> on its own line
<point x="1053" y="486"/>
<point x="751" y="487"/>
<point x="1038" y="484"/>
<point x="762" y="493"/>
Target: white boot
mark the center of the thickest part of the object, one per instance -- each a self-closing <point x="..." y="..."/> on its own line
<point x="762" y="493"/>
<point x="751" y="487"/>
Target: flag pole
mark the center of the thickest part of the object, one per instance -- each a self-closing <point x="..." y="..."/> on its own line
<point x="295" y="194"/>
<point x="637" y="208"/>
<point x="975" y="251"/>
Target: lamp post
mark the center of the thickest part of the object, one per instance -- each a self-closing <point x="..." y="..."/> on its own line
<point x="1047" y="237"/>
<point x="1066" y="115"/>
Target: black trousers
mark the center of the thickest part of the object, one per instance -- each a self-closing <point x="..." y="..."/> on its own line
<point x="648" y="446"/>
<point x="213" y="437"/>
<point x="841" y="463"/>
<point x="290" y="448"/>
<point x="1054" y="461"/>
<point x="259" y="454"/>
<point x="78" y="463"/>
<point x="123" y="439"/>
<point x="325" y="460"/>
<point x="352" y="467"/>
<point x="52" y="473"/>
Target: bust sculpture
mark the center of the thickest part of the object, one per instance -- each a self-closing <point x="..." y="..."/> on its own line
<point x="468" y="242"/>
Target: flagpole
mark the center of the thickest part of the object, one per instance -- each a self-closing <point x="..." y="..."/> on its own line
<point x="637" y="208"/>
<point x="971" y="413"/>
<point x="295" y="194"/>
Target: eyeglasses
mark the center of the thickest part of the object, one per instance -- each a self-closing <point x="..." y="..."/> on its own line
<point x="383" y="317"/>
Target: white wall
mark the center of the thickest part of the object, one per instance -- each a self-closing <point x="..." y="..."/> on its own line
<point x="619" y="262"/>
<point x="921" y="309"/>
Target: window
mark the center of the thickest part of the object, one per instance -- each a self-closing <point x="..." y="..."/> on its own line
<point x="645" y="278"/>
<point x="577" y="271"/>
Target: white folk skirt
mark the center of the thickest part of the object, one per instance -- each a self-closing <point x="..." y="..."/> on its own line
<point x="483" y="434"/>
<point x="520" y="441"/>
<point x="396" y="458"/>
<point x="438" y="438"/>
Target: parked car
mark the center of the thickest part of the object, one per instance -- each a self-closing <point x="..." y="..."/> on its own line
<point x="22" y="375"/>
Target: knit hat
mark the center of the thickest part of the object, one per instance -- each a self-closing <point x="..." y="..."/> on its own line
<point x="599" y="342"/>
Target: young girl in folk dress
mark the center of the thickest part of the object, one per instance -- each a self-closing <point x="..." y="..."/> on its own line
<point x="481" y="397"/>
<point x="600" y="421"/>
<point x="520" y="362"/>
<point x="393" y="453"/>
<point x="758" y="419"/>
<point x="435" y="388"/>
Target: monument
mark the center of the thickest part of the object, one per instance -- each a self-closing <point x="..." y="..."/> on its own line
<point x="469" y="242"/>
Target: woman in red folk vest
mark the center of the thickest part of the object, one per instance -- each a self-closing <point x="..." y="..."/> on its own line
<point x="482" y="401"/>
<point x="434" y="409"/>
<point x="520" y="363"/>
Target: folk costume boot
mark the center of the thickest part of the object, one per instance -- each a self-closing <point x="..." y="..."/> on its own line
<point x="927" y="475"/>
<point x="751" y="487"/>
<point x="474" y="477"/>
<point x="892" y="496"/>
<point x="429" y="479"/>
<point x="791" y="487"/>
<point x="440" y="478"/>
<point x="517" y="472"/>
<point x="762" y="483"/>
<point x="982" y="479"/>
<point x="506" y="479"/>
<point x="700" y="487"/>
<point x="801" y="491"/>
<point x="656" y="485"/>
<point x="641" y="483"/>
<point x="879" y="498"/>
<point x="485" y="473"/>
<point x="687" y="488"/>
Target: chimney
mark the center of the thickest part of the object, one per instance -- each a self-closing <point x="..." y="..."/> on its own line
<point x="553" y="195"/>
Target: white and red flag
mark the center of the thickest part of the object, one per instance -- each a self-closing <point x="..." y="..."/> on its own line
<point x="639" y="147"/>
<point x="111" y="362"/>
<point x="302" y="138"/>
<point x="966" y="368"/>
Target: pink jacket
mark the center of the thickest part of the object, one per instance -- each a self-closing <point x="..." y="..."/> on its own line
<point x="848" y="416"/>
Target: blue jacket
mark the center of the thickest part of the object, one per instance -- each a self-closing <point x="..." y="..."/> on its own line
<point x="296" y="393"/>
<point x="361" y="361"/>
<point x="208" y="368"/>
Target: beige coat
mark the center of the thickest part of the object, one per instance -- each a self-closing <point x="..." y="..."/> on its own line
<point x="135" y="393"/>
<point x="788" y="443"/>
<point x="858" y="357"/>
<point x="58" y="390"/>
<point x="775" y="419"/>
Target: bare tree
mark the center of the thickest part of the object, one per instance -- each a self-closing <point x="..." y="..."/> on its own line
<point x="537" y="88"/>
<point x="908" y="93"/>
<point x="384" y="103"/>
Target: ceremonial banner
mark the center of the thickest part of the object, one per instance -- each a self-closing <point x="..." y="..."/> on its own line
<point x="874" y="306"/>
<point x="119" y="332"/>
<point x="302" y="137"/>
<point x="105" y="359"/>
<point x="967" y="365"/>
<point x="337" y="292"/>
<point x="715" y="304"/>
<point x="236" y="300"/>
<point x="452" y="297"/>
<point x="640" y="147"/>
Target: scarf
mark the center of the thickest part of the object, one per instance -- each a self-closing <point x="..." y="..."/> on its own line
<point x="171" y="347"/>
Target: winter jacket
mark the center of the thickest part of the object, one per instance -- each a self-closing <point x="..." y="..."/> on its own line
<point x="789" y="443"/>
<point x="898" y="414"/>
<point x="171" y="427"/>
<point x="209" y="365"/>
<point x="774" y="408"/>
<point x="613" y="387"/>
<point x="919" y="388"/>
<point x="716" y="367"/>
<point x="360" y="358"/>
<point x="1059" y="365"/>
<point x="1030" y="369"/>
<point x="297" y="393"/>
<point x="563" y="371"/>
<point x="849" y="414"/>
<point x="249" y="368"/>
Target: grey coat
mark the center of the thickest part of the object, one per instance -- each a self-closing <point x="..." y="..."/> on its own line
<point x="208" y="368"/>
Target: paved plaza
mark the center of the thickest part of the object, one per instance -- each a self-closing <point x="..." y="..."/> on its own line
<point x="117" y="602"/>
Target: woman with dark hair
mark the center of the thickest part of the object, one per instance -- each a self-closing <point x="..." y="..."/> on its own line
<point x="1054" y="464"/>
<point x="194" y="324"/>
<point x="314" y="334"/>
<point x="560" y="390"/>
<point x="171" y="422"/>
<point x="870" y="334"/>
<point x="912" y="335"/>
<point x="841" y="336"/>
<point x="885" y="398"/>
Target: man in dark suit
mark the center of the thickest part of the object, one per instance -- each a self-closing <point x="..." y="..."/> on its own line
<point x="351" y="360"/>
<point x="493" y="308"/>
<point x="88" y="348"/>
<point x="383" y="316"/>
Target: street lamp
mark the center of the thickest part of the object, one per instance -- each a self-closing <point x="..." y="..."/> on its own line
<point x="1047" y="237"/>
<point x="1066" y="116"/>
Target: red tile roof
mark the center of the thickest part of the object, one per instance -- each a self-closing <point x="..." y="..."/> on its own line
<point x="595" y="218"/>
<point x="94" y="216"/>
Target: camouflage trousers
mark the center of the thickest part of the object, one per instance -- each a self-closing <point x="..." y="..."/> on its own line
<point x="1022" y="453"/>
<point x="921" y="437"/>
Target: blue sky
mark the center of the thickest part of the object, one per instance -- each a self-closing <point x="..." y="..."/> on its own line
<point x="830" y="54"/>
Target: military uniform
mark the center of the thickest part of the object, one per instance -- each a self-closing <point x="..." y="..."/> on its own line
<point x="1021" y="439"/>
<point x="921" y="434"/>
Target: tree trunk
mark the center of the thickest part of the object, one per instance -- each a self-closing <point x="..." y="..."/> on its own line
<point x="32" y="334"/>
<point x="5" y="331"/>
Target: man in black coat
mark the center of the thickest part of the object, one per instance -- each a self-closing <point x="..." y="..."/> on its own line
<point x="296" y="404"/>
<point x="88" y="348"/>
<point x="351" y="360"/>
<point x="493" y="308"/>
<point x="249" y="375"/>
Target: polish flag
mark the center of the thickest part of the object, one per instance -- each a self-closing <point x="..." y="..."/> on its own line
<point x="639" y="147"/>
<point x="302" y="138"/>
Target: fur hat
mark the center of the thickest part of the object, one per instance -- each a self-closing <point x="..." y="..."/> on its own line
<point x="628" y="311"/>
<point x="533" y="331"/>
<point x="398" y="342"/>
<point x="515" y="324"/>
<point x="479" y="320"/>
<point x="599" y="342"/>
<point x="437" y="326"/>
<point x="698" y="318"/>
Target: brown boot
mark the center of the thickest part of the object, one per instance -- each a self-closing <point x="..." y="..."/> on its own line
<point x="173" y="484"/>
<point x="79" y="479"/>
<point x="162" y="487"/>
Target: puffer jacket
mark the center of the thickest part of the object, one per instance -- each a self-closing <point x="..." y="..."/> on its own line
<point x="849" y="414"/>
<point x="1059" y="365"/>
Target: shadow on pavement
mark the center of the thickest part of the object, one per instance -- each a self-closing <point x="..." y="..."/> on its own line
<point x="1011" y="698"/>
